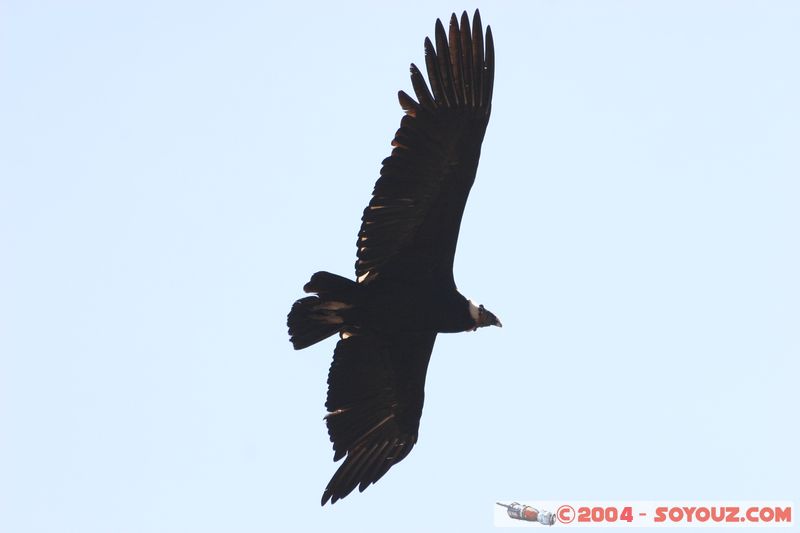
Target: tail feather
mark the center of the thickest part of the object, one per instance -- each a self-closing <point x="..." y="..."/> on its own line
<point x="308" y="324"/>
<point x="315" y="318"/>
<point x="324" y="283"/>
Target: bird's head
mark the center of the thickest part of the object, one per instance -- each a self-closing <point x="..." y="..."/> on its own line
<point x="482" y="317"/>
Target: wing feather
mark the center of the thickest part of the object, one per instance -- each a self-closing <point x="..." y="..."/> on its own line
<point x="466" y="50"/>
<point x="424" y="95"/>
<point x="434" y="76"/>
<point x="457" y="61"/>
<point x="375" y="397"/>
<point x="410" y="227"/>
<point x="488" y="72"/>
<point x="445" y="66"/>
<point x="477" y="54"/>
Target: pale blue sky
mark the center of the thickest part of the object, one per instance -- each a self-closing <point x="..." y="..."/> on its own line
<point x="171" y="173"/>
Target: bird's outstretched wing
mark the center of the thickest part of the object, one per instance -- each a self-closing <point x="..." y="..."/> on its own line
<point x="410" y="227"/>
<point x="376" y="388"/>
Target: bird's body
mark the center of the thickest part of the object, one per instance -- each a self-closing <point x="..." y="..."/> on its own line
<point x="404" y="293"/>
<point x="393" y="307"/>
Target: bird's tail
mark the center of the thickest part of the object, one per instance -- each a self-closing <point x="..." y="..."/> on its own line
<point x="315" y="318"/>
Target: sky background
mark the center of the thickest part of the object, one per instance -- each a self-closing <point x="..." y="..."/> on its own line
<point x="171" y="173"/>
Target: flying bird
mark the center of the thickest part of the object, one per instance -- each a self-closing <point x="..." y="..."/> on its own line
<point x="404" y="293"/>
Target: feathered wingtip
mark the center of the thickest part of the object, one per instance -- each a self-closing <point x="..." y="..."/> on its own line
<point x="460" y="68"/>
<point x="365" y="466"/>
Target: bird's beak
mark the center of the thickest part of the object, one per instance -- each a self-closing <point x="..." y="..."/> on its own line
<point x="490" y="320"/>
<point x="497" y="322"/>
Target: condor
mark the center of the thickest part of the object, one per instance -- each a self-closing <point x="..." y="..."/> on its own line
<point x="404" y="293"/>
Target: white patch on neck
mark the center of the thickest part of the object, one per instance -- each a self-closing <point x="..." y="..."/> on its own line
<point x="474" y="311"/>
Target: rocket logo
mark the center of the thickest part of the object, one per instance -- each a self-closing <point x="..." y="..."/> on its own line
<point x="518" y="511"/>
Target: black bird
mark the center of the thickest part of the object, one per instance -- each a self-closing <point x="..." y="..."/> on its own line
<point x="404" y="292"/>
